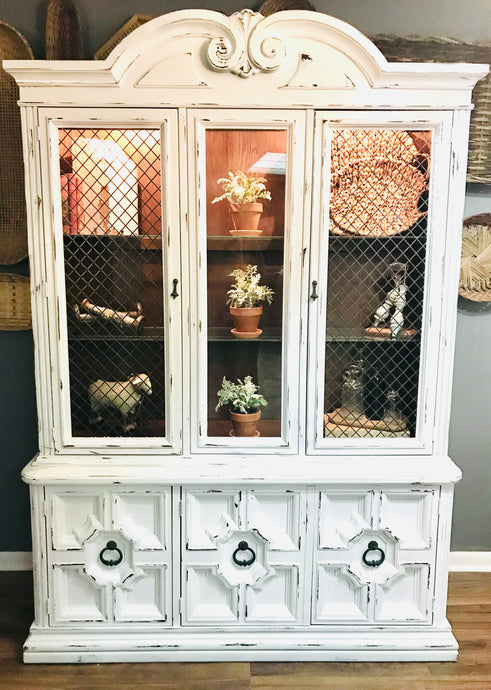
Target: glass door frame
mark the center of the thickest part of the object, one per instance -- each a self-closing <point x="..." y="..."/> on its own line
<point x="295" y="255"/>
<point x="56" y="337"/>
<point x="440" y="124"/>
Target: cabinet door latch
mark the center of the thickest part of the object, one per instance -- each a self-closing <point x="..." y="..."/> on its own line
<point x="314" y="294"/>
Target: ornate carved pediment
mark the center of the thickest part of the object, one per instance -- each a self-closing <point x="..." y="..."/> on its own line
<point x="243" y="52"/>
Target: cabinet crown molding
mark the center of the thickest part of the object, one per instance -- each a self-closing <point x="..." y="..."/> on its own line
<point x="312" y="56"/>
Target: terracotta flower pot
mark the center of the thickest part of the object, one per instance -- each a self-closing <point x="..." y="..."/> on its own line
<point x="245" y="424"/>
<point x="246" y="321"/>
<point x="246" y="219"/>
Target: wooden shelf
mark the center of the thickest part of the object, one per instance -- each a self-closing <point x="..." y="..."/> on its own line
<point x="265" y="243"/>
<point x="133" y="242"/>
<point x="375" y="238"/>
<point x="149" y="428"/>
<point x="357" y="335"/>
<point x="147" y="333"/>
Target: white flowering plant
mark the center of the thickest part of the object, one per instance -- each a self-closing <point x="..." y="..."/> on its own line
<point x="242" y="396"/>
<point x="238" y="188"/>
<point x="246" y="291"/>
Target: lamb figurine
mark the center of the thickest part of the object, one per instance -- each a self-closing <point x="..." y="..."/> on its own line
<point x="125" y="396"/>
<point x="395" y="301"/>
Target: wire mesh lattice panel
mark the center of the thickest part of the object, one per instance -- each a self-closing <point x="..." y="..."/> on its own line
<point x="377" y="254"/>
<point x="110" y="184"/>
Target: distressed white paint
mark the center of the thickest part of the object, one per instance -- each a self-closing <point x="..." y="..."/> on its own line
<point x="309" y="504"/>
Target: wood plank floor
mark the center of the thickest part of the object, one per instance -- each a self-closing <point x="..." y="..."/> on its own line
<point x="469" y="611"/>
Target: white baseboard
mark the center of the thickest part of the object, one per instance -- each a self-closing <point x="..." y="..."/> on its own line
<point x="460" y="561"/>
<point x="470" y="561"/>
<point x="15" y="560"/>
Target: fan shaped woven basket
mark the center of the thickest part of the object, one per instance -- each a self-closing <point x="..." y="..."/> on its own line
<point x="15" y="302"/>
<point x="475" y="265"/>
<point x="13" y="221"/>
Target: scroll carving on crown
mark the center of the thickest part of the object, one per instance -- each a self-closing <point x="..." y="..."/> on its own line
<point x="243" y="51"/>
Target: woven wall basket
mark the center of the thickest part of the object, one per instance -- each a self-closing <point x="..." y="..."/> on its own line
<point x="13" y="221"/>
<point x="475" y="265"/>
<point x="133" y="23"/>
<point x="15" y="302"/>
<point x="271" y="6"/>
<point x="63" y="32"/>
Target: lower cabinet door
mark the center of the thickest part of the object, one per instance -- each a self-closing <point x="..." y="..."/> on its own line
<point x="243" y="557"/>
<point x="375" y="556"/>
<point x="109" y="555"/>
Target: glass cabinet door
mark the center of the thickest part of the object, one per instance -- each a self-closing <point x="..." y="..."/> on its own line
<point x="374" y="336"/>
<point x="249" y="170"/>
<point x="114" y="229"/>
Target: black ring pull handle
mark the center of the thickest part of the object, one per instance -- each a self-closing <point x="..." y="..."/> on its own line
<point x="244" y="555"/>
<point x="314" y="294"/>
<point x="174" y="292"/>
<point x="111" y="546"/>
<point x="374" y="555"/>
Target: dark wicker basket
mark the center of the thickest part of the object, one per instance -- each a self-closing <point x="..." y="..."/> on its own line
<point x="272" y="6"/>
<point x="63" y="32"/>
<point x="13" y="220"/>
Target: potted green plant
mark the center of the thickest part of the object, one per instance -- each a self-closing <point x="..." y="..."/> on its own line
<point x="244" y="299"/>
<point x="244" y="401"/>
<point x="243" y="194"/>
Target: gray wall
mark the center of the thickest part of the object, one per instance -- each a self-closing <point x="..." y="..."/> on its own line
<point x="470" y="438"/>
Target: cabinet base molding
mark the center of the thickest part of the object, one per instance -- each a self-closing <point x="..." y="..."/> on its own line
<point x="49" y="646"/>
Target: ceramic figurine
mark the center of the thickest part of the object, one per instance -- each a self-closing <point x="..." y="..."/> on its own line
<point x="125" y="396"/>
<point x="391" y="309"/>
<point x="129" y="319"/>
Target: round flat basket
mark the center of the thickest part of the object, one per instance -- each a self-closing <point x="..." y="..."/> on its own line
<point x="13" y="222"/>
<point x="475" y="264"/>
<point x="15" y="302"/>
<point x="350" y="145"/>
<point x="376" y="198"/>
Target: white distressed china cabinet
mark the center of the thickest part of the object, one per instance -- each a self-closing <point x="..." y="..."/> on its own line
<point x="159" y="534"/>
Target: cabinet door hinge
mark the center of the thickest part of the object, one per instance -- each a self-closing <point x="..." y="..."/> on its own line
<point x="180" y="606"/>
<point x="180" y="507"/>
